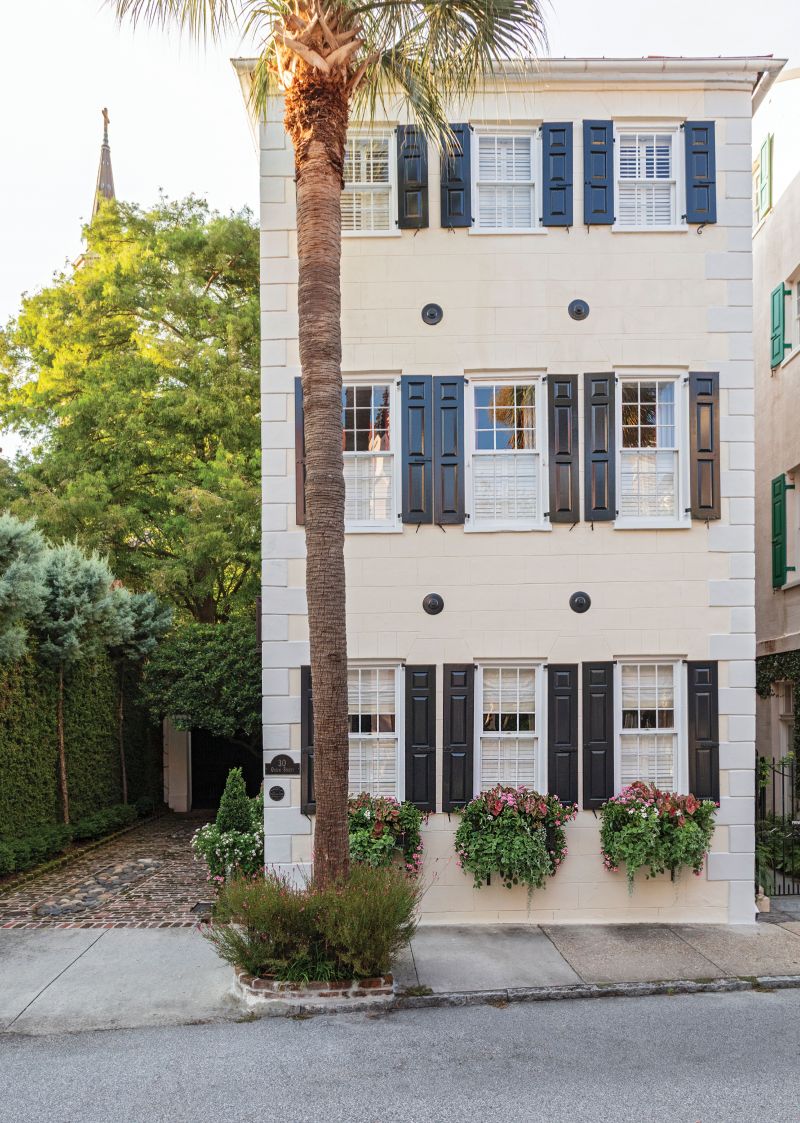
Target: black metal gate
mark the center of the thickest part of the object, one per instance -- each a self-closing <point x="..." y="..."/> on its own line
<point x="777" y="827"/>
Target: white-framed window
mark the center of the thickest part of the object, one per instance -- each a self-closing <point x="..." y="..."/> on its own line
<point x="648" y="169"/>
<point x="506" y="485"/>
<point x="375" y="708"/>
<point x="795" y="335"/>
<point x="651" y="437"/>
<point x="510" y="735"/>
<point x="369" y="444"/>
<point x="785" y="691"/>
<point x="650" y="742"/>
<point x="369" y="204"/>
<point x="504" y="189"/>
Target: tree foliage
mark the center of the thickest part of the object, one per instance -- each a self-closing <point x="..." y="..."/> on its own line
<point x="135" y="380"/>
<point x="22" y="552"/>
<point x="77" y="616"/>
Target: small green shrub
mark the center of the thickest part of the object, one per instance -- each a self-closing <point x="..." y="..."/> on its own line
<point x="269" y="928"/>
<point x="379" y="826"/>
<point x="235" y="812"/>
<point x="20" y="854"/>
<point x="7" y="859"/>
<point x="227" y="850"/>
<point x="145" y="806"/>
<point x="104" y="822"/>
<point x="513" y="832"/>
<point x="645" y="828"/>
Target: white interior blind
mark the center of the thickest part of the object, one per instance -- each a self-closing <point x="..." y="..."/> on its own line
<point x="372" y="694"/>
<point x="508" y="742"/>
<point x="369" y="488"/>
<point x="648" y="479"/>
<point x="505" y="487"/>
<point x="505" y="182"/>
<point x="646" y="190"/>
<point x="366" y="199"/>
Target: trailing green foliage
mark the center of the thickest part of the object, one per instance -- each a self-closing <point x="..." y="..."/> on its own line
<point x="353" y="930"/>
<point x="513" y="832"/>
<point x="380" y="826"/>
<point x="643" y="827"/>
<point x="234" y="843"/>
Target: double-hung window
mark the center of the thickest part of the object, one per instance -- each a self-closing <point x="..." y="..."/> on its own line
<point x="505" y="182"/>
<point x="506" y="484"/>
<point x="374" y="706"/>
<point x="508" y="732"/>
<point x="650" y="437"/>
<point x="368" y="205"/>
<point x="649" y="743"/>
<point x="368" y="445"/>
<point x="647" y="179"/>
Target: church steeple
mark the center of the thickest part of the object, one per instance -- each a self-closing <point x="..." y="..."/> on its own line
<point x="105" y="176"/>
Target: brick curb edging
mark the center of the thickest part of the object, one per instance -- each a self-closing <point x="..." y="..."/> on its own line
<point x="281" y="1007"/>
<point x="289" y="998"/>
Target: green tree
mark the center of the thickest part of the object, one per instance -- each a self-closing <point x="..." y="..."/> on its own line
<point x="76" y="619"/>
<point x="140" y="623"/>
<point x="234" y="812"/>
<point x="22" y="552"/>
<point x="331" y="59"/>
<point x="134" y="379"/>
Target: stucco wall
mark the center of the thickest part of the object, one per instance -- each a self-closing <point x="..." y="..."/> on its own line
<point x="681" y="301"/>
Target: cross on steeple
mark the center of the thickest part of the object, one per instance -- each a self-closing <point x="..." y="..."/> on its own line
<point x="105" y="176"/>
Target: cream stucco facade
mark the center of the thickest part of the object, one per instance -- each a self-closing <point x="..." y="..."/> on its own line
<point x="662" y="303"/>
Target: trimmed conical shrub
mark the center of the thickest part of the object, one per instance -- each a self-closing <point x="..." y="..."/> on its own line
<point x="234" y="808"/>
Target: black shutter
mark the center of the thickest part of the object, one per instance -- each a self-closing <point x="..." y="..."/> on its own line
<point x="557" y="165"/>
<point x="600" y="468"/>
<point x="299" y="455"/>
<point x="417" y="424"/>
<point x="701" y="172"/>
<point x="562" y="731"/>
<point x="420" y="683"/>
<point x="598" y="734"/>
<point x="448" y="450"/>
<point x="562" y="394"/>
<point x="704" y="436"/>
<point x="598" y="173"/>
<point x="703" y="730"/>
<point x="458" y="735"/>
<point x="307" y="798"/>
<point x="457" y="178"/>
<point x="412" y="178"/>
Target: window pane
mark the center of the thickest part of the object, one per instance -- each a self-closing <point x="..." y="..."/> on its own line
<point x="373" y="749"/>
<point x="505" y="487"/>
<point x="369" y="487"/>
<point x="508" y="752"/>
<point x="648" y="482"/>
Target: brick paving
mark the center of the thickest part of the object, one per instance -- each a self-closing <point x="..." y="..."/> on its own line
<point x="162" y="897"/>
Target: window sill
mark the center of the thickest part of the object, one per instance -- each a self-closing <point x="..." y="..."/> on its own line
<point x="793" y="584"/>
<point x="367" y="529"/>
<point x="795" y="351"/>
<point x="652" y="524"/>
<point x="505" y="528"/>
<point x="615" y="229"/>
<point x="476" y="231"/>
<point x="372" y="234"/>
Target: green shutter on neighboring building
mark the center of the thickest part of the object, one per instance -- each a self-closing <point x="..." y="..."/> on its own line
<point x="778" y="325"/>
<point x="779" y="533"/>
<point x="765" y="177"/>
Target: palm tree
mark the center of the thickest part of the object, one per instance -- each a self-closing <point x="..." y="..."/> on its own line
<point x="333" y="59"/>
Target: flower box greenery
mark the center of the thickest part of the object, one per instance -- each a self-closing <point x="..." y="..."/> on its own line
<point x="380" y="827"/>
<point x="644" y="827"/>
<point x="515" y="833"/>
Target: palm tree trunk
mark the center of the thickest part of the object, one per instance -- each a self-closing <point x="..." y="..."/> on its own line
<point x="121" y="732"/>
<point x="316" y="120"/>
<point x="62" y="754"/>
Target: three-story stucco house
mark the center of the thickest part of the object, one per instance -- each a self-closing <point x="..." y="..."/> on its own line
<point x="547" y="425"/>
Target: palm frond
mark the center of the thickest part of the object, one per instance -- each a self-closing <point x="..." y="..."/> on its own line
<point x="201" y="19"/>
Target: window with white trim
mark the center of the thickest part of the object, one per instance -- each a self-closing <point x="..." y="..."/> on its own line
<point x="647" y="180"/>
<point x="649" y="449"/>
<point x="373" y="705"/>
<point x="368" y="205"/>
<point x="505" y="461"/>
<point x="508" y="736"/>
<point x="785" y="691"/>
<point x="648" y="726"/>
<point x="505" y="181"/>
<point x="368" y="447"/>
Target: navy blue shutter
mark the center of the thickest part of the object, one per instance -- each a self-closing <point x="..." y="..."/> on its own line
<point x="600" y="468"/>
<point x="457" y="777"/>
<point x="448" y="450"/>
<point x="598" y="734"/>
<point x="562" y="393"/>
<point x="704" y="439"/>
<point x="557" y="165"/>
<point x="598" y="172"/>
<point x="416" y="394"/>
<point x="562" y="731"/>
<point x="420" y="683"/>
<point x="701" y="172"/>
<point x="299" y="455"/>
<point x="307" y="797"/>
<point x="412" y="178"/>
<point x="703" y="730"/>
<point x="457" y="179"/>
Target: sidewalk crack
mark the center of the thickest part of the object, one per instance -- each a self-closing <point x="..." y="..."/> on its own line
<point x="689" y="944"/>
<point x="53" y="980"/>
<point x="566" y="959"/>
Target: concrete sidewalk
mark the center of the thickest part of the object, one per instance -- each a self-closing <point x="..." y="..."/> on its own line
<point x="68" y="980"/>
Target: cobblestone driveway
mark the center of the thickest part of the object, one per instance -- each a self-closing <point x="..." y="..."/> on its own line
<point x="146" y="878"/>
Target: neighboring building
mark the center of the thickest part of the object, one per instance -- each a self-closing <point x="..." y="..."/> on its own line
<point x="516" y="450"/>
<point x="776" y="264"/>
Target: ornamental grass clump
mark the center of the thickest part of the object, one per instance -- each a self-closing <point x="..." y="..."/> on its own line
<point x="645" y="828"/>
<point x="515" y="833"/>
<point x="382" y="828"/>
<point x="234" y="843"/>
<point x="352" y="929"/>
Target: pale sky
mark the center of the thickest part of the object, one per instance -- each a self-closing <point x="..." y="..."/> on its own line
<point x="177" y="117"/>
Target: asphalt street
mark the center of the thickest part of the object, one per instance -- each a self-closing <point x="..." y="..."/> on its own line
<point x="685" y="1059"/>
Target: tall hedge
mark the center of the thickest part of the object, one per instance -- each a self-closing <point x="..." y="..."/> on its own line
<point x="29" y="750"/>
